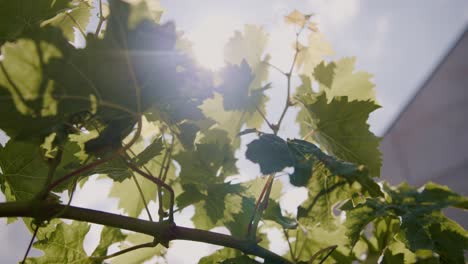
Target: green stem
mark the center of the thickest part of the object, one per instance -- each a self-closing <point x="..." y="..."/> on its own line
<point x="164" y="231"/>
<point x="121" y="252"/>
<point x="158" y="182"/>
<point x="30" y="244"/>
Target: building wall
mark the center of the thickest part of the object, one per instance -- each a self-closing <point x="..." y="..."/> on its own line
<point x="429" y="141"/>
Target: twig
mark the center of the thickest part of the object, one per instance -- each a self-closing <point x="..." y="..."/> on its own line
<point x="260" y="206"/>
<point x="101" y="20"/>
<point x="291" y="252"/>
<point x="158" y="182"/>
<point x="142" y="197"/>
<point x="30" y="244"/>
<point x="76" y="24"/>
<point x="274" y="67"/>
<point x="288" y="91"/>
<point x="330" y="250"/>
<point x="272" y="127"/>
<point x="140" y="190"/>
<point x="123" y="251"/>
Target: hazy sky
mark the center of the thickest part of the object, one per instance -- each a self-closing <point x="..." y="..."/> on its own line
<point x="400" y="42"/>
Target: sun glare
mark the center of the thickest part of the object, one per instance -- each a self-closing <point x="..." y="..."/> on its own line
<point x="209" y="38"/>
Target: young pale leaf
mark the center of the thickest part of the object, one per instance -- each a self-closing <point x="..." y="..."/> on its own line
<point x="64" y="245"/>
<point x="311" y="55"/>
<point x="344" y="81"/>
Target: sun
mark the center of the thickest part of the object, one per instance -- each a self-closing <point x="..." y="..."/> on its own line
<point x="209" y="37"/>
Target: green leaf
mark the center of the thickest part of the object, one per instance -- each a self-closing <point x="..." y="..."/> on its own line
<point x="270" y="152"/>
<point x="152" y="150"/>
<point x="340" y="127"/>
<point x="360" y="216"/>
<point x="64" y="245"/>
<point x="24" y="170"/>
<point x="219" y="255"/>
<point x="326" y="191"/>
<point x="116" y="169"/>
<point x="236" y="81"/>
<point x="220" y="204"/>
<point x="29" y="110"/>
<point x="230" y="121"/>
<point x="390" y="258"/>
<point x="109" y="236"/>
<point x="324" y="73"/>
<point x="239" y="260"/>
<point x="305" y="154"/>
<point x="78" y="16"/>
<point x="273" y="213"/>
<point x="191" y="195"/>
<point x="346" y="82"/>
<point x="215" y="200"/>
<point x="240" y="222"/>
<point x="17" y="17"/>
<point x="210" y="162"/>
<point x="140" y="255"/>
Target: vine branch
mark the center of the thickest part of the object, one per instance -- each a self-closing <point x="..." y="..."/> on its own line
<point x="164" y="231"/>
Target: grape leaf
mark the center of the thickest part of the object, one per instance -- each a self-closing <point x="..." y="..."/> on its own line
<point x="270" y="152"/>
<point x="420" y="218"/>
<point x="78" y="16"/>
<point x="273" y="154"/>
<point x="235" y="88"/>
<point x="239" y="225"/>
<point x="230" y="121"/>
<point x="25" y="172"/>
<point x="219" y="255"/>
<point x="296" y="18"/>
<point x="19" y="16"/>
<point x="343" y="81"/>
<point x="310" y="56"/>
<point x="140" y="255"/>
<point x="273" y="213"/>
<point x="210" y="162"/>
<point x="239" y="260"/>
<point x="129" y="197"/>
<point x="65" y="244"/>
<point x="109" y="236"/>
<point x="340" y="127"/>
<point x="29" y="109"/>
<point x="325" y="192"/>
<point x="325" y="73"/>
<point x="154" y="149"/>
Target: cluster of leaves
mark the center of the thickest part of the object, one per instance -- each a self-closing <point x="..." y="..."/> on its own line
<point x="128" y="96"/>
